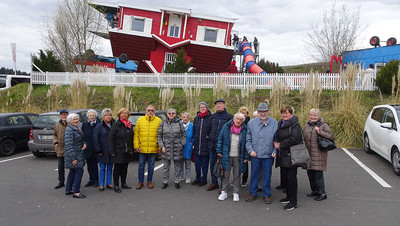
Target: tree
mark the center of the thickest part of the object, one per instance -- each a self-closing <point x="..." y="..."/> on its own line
<point x="270" y="67"/>
<point x="338" y="32"/>
<point x="181" y="64"/>
<point x="68" y="35"/>
<point x="7" y="71"/>
<point x="384" y="77"/>
<point x="47" y="62"/>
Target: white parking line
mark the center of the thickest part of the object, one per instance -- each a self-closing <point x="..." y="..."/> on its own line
<point x="7" y="160"/>
<point x="155" y="168"/>
<point x="372" y="173"/>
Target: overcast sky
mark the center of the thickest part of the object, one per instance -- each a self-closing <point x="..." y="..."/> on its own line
<point x="281" y="26"/>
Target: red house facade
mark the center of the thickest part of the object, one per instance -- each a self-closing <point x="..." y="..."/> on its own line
<point x="152" y="36"/>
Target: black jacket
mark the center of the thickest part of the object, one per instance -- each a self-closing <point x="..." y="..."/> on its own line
<point x="119" y="136"/>
<point x="201" y="133"/>
<point x="100" y="139"/>
<point x="288" y="135"/>
<point x="218" y="120"/>
<point x="88" y="129"/>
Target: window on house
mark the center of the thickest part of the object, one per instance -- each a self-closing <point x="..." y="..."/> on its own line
<point x="137" y="24"/>
<point x="210" y="35"/>
<point x="170" y="58"/>
<point x="174" y="31"/>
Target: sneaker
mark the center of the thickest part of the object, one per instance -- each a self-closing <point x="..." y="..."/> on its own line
<point x="244" y="185"/>
<point x="284" y="201"/>
<point x="222" y="196"/>
<point x="235" y="197"/>
<point x="321" y="197"/>
<point x="188" y="181"/>
<point x="290" y="206"/>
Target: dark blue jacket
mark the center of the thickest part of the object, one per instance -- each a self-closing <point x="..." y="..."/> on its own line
<point x="224" y="145"/>
<point x="100" y="139"/>
<point x="119" y="139"/>
<point x="201" y="131"/>
<point x="218" y="120"/>
<point x="88" y="129"/>
<point x="74" y="141"/>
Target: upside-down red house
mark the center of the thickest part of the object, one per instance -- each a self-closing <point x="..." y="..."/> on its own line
<point x="152" y="36"/>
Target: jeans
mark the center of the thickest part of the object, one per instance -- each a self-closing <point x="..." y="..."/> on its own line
<point x="61" y="170"/>
<point x="120" y="170"/>
<point x="290" y="176"/>
<point x="317" y="183"/>
<point x="102" y="173"/>
<point x="74" y="178"/>
<point x="93" y="170"/>
<point x="201" y="165"/>
<point x="258" y="164"/>
<point x="213" y="160"/>
<point x="150" y="158"/>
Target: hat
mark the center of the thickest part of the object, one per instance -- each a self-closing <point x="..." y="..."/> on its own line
<point x="262" y="107"/>
<point x="63" y="111"/>
<point x="219" y="100"/>
<point x="203" y="103"/>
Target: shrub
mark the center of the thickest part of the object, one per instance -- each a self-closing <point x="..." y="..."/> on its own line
<point x="384" y="76"/>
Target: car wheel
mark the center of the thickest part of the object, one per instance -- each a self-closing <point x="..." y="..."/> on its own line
<point x="396" y="162"/>
<point x="7" y="147"/>
<point x="38" y="154"/>
<point x="367" y="147"/>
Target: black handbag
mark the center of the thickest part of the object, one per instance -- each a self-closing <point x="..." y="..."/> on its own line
<point x="218" y="169"/>
<point x="325" y="144"/>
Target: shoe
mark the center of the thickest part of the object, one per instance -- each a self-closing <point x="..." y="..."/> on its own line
<point x="314" y="193"/>
<point x="80" y="196"/>
<point x="188" y="181"/>
<point x="284" y="201"/>
<point x="235" y="197"/>
<point x="268" y="200"/>
<point x="244" y="184"/>
<point x="177" y="186"/>
<point x="195" y="182"/>
<point x="101" y="188"/>
<point x="280" y="187"/>
<point x="212" y="187"/>
<point x="109" y="187"/>
<point x="164" y="186"/>
<point x="222" y="196"/>
<point x="321" y="197"/>
<point x="139" y="186"/>
<point x="69" y="193"/>
<point x="202" y="183"/>
<point x="150" y="185"/>
<point x="95" y="184"/>
<point x="126" y="186"/>
<point x="59" y="185"/>
<point x="251" y="198"/>
<point x="116" y="189"/>
<point x="220" y="190"/>
<point x="290" y="206"/>
<point x="89" y="184"/>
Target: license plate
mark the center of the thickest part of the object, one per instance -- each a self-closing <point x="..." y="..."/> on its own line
<point x="46" y="137"/>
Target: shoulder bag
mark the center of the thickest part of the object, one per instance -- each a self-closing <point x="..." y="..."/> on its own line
<point x="325" y="144"/>
<point x="299" y="153"/>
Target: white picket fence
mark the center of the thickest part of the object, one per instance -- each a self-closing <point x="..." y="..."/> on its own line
<point x="292" y="81"/>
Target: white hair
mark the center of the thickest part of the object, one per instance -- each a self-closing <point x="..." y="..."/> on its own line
<point x="71" y="117"/>
<point x="105" y="112"/>
<point x="91" y="111"/>
<point x="255" y="113"/>
<point x="314" y="111"/>
<point x="239" y="115"/>
<point x="171" y="110"/>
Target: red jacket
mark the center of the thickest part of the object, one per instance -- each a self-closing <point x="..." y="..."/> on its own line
<point x="232" y="68"/>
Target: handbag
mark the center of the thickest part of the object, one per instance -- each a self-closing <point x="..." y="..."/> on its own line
<point x="299" y="154"/>
<point x="218" y="169"/>
<point x="325" y="144"/>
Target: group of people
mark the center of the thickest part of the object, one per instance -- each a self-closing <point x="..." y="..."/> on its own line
<point x="231" y="141"/>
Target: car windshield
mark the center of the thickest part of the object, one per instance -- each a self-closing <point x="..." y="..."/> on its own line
<point x="134" y="118"/>
<point x="398" y="112"/>
<point x="46" y="121"/>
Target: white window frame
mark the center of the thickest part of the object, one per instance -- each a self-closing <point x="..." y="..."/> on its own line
<point x="213" y="30"/>
<point x="169" y="58"/>
<point x="175" y="22"/>
<point x="134" y="18"/>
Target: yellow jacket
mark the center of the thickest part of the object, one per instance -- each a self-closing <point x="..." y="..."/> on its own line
<point x="145" y="136"/>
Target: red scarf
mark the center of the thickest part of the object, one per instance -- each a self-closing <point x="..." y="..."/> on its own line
<point x="203" y="114"/>
<point x="235" y="130"/>
<point x="127" y="123"/>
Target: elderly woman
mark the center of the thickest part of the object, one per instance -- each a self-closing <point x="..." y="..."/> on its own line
<point x="100" y="139"/>
<point x="289" y="133"/>
<point x="187" y="150"/>
<point x="316" y="127"/>
<point x="90" y="152"/>
<point x="74" y="156"/>
<point x="171" y="138"/>
<point x="120" y="143"/>
<point x="231" y="148"/>
<point x="201" y="131"/>
<point x="245" y="111"/>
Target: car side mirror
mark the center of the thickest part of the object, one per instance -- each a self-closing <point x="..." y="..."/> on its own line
<point x="386" y="125"/>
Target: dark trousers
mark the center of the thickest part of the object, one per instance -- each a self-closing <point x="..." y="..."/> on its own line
<point x="316" y="178"/>
<point x="245" y="174"/>
<point x="61" y="170"/>
<point x="93" y="170"/>
<point x="213" y="160"/>
<point x="120" y="171"/>
<point x="74" y="180"/>
<point x="290" y="176"/>
<point x="201" y="165"/>
<point x="283" y="182"/>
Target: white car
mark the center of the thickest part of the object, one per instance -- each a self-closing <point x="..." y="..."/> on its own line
<point x="382" y="135"/>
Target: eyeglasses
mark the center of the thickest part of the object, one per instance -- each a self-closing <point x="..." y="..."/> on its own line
<point x="150" y="110"/>
<point x="172" y="113"/>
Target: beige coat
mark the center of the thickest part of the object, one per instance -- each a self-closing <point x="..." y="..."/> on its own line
<point x="318" y="158"/>
<point x="58" y="138"/>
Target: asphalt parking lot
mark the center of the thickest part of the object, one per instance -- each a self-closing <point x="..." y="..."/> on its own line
<point x="354" y="198"/>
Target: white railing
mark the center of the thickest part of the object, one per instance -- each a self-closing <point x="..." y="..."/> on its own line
<point x="291" y="81"/>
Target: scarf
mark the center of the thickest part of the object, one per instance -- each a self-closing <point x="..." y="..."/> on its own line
<point x="235" y="130"/>
<point x="127" y="123"/>
<point x="92" y="123"/>
<point x="203" y="114"/>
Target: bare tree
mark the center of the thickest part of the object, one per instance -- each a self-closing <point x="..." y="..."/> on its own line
<point x="338" y="32"/>
<point x="68" y="35"/>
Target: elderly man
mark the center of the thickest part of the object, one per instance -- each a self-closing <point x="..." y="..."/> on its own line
<point x="145" y="143"/>
<point x="260" y="147"/>
<point x="59" y="145"/>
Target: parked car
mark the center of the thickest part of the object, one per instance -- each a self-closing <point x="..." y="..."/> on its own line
<point x="14" y="131"/>
<point x="382" y="135"/>
<point x="41" y="135"/>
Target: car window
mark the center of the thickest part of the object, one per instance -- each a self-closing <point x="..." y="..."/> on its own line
<point x="377" y="114"/>
<point x="32" y="117"/>
<point x="82" y="117"/>
<point x="19" y="120"/>
<point x="46" y="121"/>
<point x="162" y="116"/>
<point x="8" y="121"/>
<point x="389" y="117"/>
<point x="134" y="118"/>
